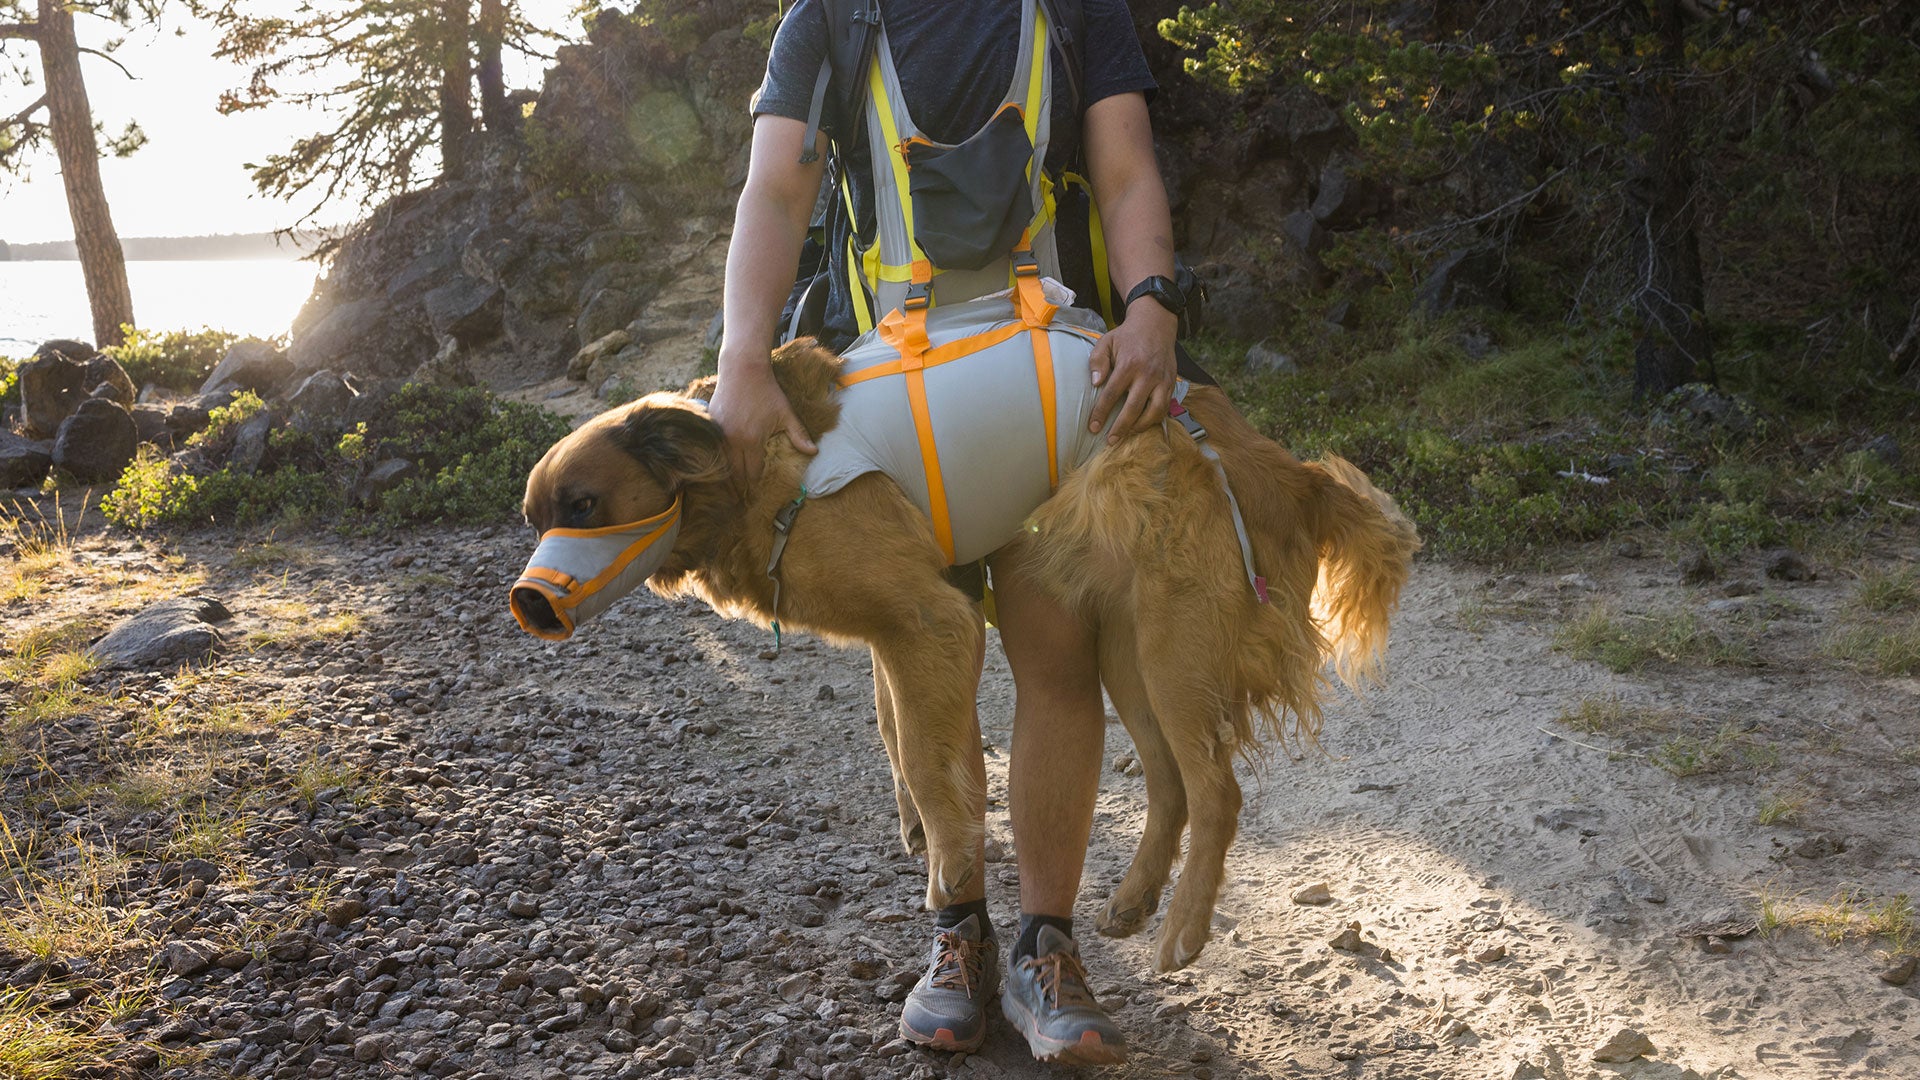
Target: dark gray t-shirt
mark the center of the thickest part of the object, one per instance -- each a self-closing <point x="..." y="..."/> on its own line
<point x="956" y="59"/>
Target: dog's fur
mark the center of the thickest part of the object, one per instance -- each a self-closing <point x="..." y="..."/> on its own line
<point x="1139" y="540"/>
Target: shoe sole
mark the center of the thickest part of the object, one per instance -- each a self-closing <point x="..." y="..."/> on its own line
<point x="942" y="1039"/>
<point x="1089" y="1049"/>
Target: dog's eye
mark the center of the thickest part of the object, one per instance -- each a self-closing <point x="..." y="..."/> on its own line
<point x="583" y="505"/>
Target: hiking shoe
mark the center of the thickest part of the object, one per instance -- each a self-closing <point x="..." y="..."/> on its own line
<point x="1047" y="999"/>
<point x="947" y="1009"/>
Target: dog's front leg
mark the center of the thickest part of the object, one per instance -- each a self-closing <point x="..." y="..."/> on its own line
<point x="931" y="677"/>
<point x="912" y="835"/>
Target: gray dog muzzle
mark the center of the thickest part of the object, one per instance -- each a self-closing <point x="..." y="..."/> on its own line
<point x="576" y="574"/>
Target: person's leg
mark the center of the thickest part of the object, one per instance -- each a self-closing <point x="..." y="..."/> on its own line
<point x="1059" y="732"/>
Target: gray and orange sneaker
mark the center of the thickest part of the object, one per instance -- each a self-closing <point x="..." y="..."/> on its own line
<point x="1047" y="1000"/>
<point x="947" y="1008"/>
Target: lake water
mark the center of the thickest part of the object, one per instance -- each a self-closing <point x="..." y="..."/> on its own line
<point x="42" y="300"/>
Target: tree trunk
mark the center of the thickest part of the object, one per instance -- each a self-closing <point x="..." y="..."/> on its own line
<point x="70" y="121"/>
<point x="456" y="88"/>
<point x="1669" y="296"/>
<point x="490" y="38"/>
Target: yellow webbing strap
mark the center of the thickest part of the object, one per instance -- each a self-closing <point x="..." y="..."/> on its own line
<point x="896" y="155"/>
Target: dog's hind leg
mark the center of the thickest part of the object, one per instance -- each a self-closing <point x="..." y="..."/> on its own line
<point x="1138" y="896"/>
<point x="912" y="835"/>
<point x="1200" y="733"/>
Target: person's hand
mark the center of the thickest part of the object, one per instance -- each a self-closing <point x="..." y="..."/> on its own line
<point x="749" y="406"/>
<point x="1134" y="368"/>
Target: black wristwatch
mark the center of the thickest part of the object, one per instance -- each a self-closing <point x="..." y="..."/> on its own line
<point x="1163" y="290"/>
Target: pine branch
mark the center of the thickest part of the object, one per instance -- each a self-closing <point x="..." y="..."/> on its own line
<point x="22" y="31"/>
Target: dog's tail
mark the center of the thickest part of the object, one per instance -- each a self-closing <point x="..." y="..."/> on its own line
<point x="1366" y="548"/>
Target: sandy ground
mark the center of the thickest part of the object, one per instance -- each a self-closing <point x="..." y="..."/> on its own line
<point x="655" y="851"/>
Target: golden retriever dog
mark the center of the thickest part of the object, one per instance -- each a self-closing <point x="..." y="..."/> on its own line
<point x="1140" y="540"/>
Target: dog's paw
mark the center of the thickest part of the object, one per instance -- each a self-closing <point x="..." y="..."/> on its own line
<point x="946" y="879"/>
<point x="1118" y="922"/>
<point x="1177" y="950"/>
<point x="913" y="836"/>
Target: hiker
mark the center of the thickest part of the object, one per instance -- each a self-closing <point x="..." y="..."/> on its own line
<point x="840" y="73"/>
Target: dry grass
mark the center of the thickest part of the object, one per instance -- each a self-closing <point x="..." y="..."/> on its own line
<point x="294" y="624"/>
<point x="42" y="547"/>
<point x="38" y="1043"/>
<point x="1724" y="750"/>
<point x="272" y="553"/>
<point x="1784" y="807"/>
<point x="57" y="897"/>
<point x="1889" y="647"/>
<point x="1630" y="642"/>
<point x="1851" y="915"/>
<point x="1609" y="715"/>
<point x="1889" y="592"/>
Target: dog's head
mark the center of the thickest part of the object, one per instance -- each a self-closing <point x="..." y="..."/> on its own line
<point x="607" y="502"/>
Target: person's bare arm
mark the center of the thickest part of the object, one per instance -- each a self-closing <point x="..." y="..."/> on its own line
<point x="1134" y="363"/>
<point x="769" y="225"/>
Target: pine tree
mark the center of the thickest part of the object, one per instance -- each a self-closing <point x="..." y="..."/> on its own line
<point x="406" y="109"/>
<point x="69" y="125"/>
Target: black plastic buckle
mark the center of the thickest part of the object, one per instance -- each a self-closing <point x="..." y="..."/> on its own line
<point x="1025" y="265"/>
<point x="919" y="296"/>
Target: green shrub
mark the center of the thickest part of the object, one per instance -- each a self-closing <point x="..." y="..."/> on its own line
<point x="473" y="450"/>
<point x="9" y="375"/>
<point x="174" y="359"/>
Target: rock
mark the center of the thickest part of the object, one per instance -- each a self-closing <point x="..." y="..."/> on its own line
<point x="344" y="910"/>
<point x="1902" y="971"/>
<point x="1345" y="200"/>
<point x="250" y="441"/>
<point x="466" y="310"/>
<point x="1344" y="315"/>
<point x="164" y="635"/>
<point x="51" y="388"/>
<point x="23" y="462"/>
<point x="322" y="396"/>
<point x="448" y="367"/>
<point x="1577" y="582"/>
<point x="1579" y="818"/>
<point x="1349" y="940"/>
<point x="1307" y="236"/>
<point x="1886" y="448"/>
<point x="77" y="351"/>
<point x="1706" y="406"/>
<point x="792" y="988"/>
<point x="1638" y="887"/>
<point x="371" y="1048"/>
<point x="1470" y="277"/>
<point x="1786" y="564"/>
<point x="716" y="332"/>
<point x="1628" y="549"/>
<point x="96" y="442"/>
<point x="104" y="377"/>
<point x="188" y="958"/>
<point x="383" y="477"/>
<point x="604" y="312"/>
<point x="522" y="906"/>
<point x="599" y="349"/>
<point x="1626" y="1045"/>
<point x="251" y="365"/>
<point x="1492" y="954"/>
<point x="1696" y="568"/>
<point x="329" y="339"/>
<point x="150" y="422"/>
<point x="1314" y="894"/>
<point x="1263" y="359"/>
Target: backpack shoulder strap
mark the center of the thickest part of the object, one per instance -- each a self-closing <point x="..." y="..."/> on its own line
<point x="1067" y="25"/>
<point x="852" y="26"/>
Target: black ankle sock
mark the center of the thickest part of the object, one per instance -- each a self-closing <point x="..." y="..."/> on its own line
<point x="1030" y="925"/>
<point x="954" y="914"/>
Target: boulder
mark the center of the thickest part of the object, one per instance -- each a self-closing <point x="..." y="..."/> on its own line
<point x="251" y="365"/>
<point x="322" y="396"/>
<point x="23" y="462"/>
<point x="467" y="310"/>
<point x="250" y="442"/>
<point x="1308" y="237"/>
<point x="604" y="312"/>
<point x="1470" y="277"/>
<point x="332" y="338"/>
<point x="383" y="477"/>
<point x="1346" y="201"/>
<point x="448" y="368"/>
<point x="104" y="377"/>
<point x="164" y="635"/>
<point x="96" y="442"/>
<point x="77" y="351"/>
<point x="604" y="346"/>
<point x="186" y="418"/>
<point x="51" y="388"/>
<point x="151" y="422"/>
<point x="1264" y="359"/>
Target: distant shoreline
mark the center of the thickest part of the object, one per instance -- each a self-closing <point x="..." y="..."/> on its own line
<point x="177" y="248"/>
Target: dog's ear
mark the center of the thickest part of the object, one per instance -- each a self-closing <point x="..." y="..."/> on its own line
<point x="701" y="389"/>
<point x="676" y="443"/>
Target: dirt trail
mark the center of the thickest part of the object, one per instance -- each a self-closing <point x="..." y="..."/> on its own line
<point x="655" y="851"/>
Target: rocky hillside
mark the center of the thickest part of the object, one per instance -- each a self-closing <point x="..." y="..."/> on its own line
<point x="607" y="225"/>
